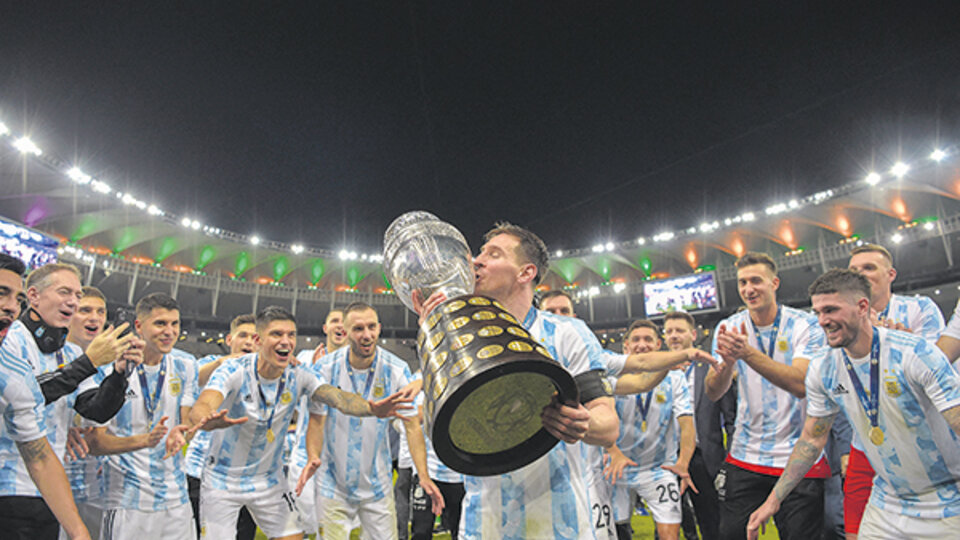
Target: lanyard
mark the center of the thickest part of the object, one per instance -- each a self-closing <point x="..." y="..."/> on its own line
<point x="151" y="399"/>
<point x="870" y="402"/>
<point x="886" y="310"/>
<point x="643" y="403"/>
<point x="263" y="398"/>
<point x="773" y="337"/>
<point x="370" y="374"/>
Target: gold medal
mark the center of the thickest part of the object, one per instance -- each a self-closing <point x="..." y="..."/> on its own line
<point x="643" y="426"/>
<point x="876" y="435"/>
<point x="270" y="437"/>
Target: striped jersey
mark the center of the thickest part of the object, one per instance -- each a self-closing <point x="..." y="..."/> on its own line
<point x="546" y="499"/>
<point x="356" y="465"/>
<point x="298" y="447"/>
<point x="243" y="458"/>
<point x="659" y="443"/>
<point x="918" y="463"/>
<point x="86" y="474"/>
<point x="142" y="479"/>
<point x="918" y="313"/>
<point x="21" y="401"/>
<point x="197" y="449"/>
<point x="953" y="327"/>
<point x="770" y="419"/>
<point x="22" y="356"/>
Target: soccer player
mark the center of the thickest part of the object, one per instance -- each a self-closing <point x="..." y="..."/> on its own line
<point x="37" y="341"/>
<point x="645" y="459"/>
<point x="526" y="503"/>
<point x="902" y="397"/>
<point x="241" y="340"/>
<point x="711" y="419"/>
<point x="21" y="410"/>
<point x="558" y="303"/>
<point x="949" y="341"/>
<point x="144" y="494"/>
<point x="916" y="314"/>
<point x="769" y="346"/>
<point x="335" y="332"/>
<point x="244" y="462"/>
<point x="354" y="479"/>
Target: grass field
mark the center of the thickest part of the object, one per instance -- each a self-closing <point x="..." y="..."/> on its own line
<point x="642" y="529"/>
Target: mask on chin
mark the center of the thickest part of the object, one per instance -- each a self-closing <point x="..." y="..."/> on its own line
<point x="49" y="339"/>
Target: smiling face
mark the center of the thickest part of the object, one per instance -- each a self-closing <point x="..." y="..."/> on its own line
<point x="87" y="323"/>
<point x="335" y="331"/>
<point x="277" y="339"/>
<point x="363" y="331"/>
<point x="57" y="303"/>
<point x="642" y="340"/>
<point x="679" y="334"/>
<point x="160" y="329"/>
<point x="842" y="316"/>
<point x="243" y="339"/>
<point x="757" y="286"/>
<point x="11" y="290"/>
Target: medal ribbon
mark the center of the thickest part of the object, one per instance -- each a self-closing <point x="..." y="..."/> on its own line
<point x="263" y="398"/>
<point x="870" y="402"/>
<point x="773" y="337"/>
<point x="151" y="399"/>
<point x="643" y="403"/>
<point x="366" y="386"/>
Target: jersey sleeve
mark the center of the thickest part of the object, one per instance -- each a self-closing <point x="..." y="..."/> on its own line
<point x="810" y="340"/>
<point x="226" y="378"/>
<point x="21" y="400"/>
<point x="309" y="381"/>
<point x="321" y="373"/>
<point x="682" y="403"/>
<point x="953" y="327"/>
<point x="930" y="370"/>
<point x="931" y="320"/>
<point x="191" y="382"/>
<point x="614" y="362"/>
<point x="819" y="401"/>
<point x="580" y="349"/>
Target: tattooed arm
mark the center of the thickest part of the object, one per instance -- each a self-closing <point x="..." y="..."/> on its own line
<point x="355" y="405"/>
<point x="48" y="475"/>
<point x="816" y="430"/>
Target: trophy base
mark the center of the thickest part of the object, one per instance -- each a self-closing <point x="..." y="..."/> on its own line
<point x="491" y="423"/>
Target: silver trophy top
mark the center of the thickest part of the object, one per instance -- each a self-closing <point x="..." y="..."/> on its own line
<point x="420" y="252"/>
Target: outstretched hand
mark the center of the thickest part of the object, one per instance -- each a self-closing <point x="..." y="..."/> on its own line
<point x="217" y="420"/>
<point x="392" y="405"/>
<point x="306" y="474"/>
<point x="684" y="475"/>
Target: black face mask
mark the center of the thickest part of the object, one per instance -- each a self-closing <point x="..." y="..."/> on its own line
<point x="49" y="338"/>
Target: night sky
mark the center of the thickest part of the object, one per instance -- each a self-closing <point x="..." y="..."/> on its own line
<point x="586" y="121"/>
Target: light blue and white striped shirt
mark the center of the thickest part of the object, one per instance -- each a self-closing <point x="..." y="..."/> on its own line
<point x="241" y="458"/>
<point x="918" y="313"/>
<point x="21" y="400"/>
<point x="770" y="419"/>
<point x="356" y="454"/>
<point x="86" y="474"/>
<point x="197" y="449"/>
<point x="918" y="463"/>
<point x="142" y="479"/>
<point x="21" y="354"/>
<point x="546" y="499"/>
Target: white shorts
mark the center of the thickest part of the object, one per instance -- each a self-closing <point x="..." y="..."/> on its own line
<point x="378" y="518"/>
<point x="91" y="515"/>
<point x="601" y="507"/>
<point x="658" y="488"/>
<point x="880" y="524"/>
<point x="272" y="509"/>
<point x="123" y="523"/>
<point x="306" y="503"/>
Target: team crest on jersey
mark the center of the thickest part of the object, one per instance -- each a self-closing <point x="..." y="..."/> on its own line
<point x="378" y="390"/>
<point x="891" y="386"/>
<point x="176" y="386"/>
<point x="286" y="397"/>
<point x="607" y="387"/>
<point x="661" y="397"/>
<point x="783" y="345"/>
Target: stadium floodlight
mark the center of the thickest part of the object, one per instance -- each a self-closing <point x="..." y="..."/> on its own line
<point x="558" y="254"/>
<point x="296" y="248"/>
<point x="938" y="155"/>
<point x="598" y="248"/>
<point x="794" y="203"/>
<point x="344" y="254"/>
<point x="899" y="169"/>
<point x="641" y="241"/>
<point x="255" y="240"/>
<point x="609" y="246"/>
<point x="4" y="130"/>
<point x="896" y="238"/>
<point x="928" y="226"/>
<point x="747" y="216"/>
<point x="664" y="237"/>
<point x="873" y="179"/>
<point x="185" y="222"/>
<point x="26" y="146"/>
<point x="195" y="225"/>
<point x="79" y="176"/>
<point x="100" y="187"/>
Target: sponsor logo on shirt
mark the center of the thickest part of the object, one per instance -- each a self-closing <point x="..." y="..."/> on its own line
<point x="840" y="389"/>
<point x="130" y="393"/>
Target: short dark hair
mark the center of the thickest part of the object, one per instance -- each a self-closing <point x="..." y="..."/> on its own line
<point x="13" y="264"/>
<point x="553" y="294"/>
<point x="356" y="306"/>
<point x="754" y="257"/>
<point x="643" y="323"/>
<point x="532" y="249"/>
<point x="840" y="280"/>
<point x="873" y="248"/>
<point x="93" y="292"/>
<point x="331" y="312"/>
<point x="152" y="301"/>
<point x="682" y="315"/>
<point x="246" y="318"/>
<point x="273" y="313"/>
